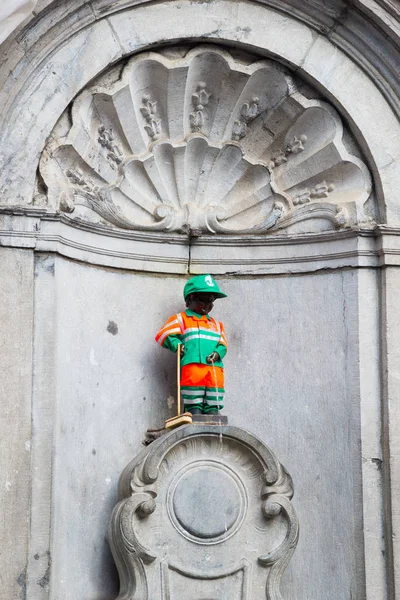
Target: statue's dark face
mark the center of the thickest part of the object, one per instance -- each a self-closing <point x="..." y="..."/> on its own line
<point x="200" y="302"/>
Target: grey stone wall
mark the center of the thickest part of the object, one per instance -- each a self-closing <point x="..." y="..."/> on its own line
<point x="293" y="379"/>
<point x="16" y="294"/>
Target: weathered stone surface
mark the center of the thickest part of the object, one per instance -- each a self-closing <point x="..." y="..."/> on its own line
<point x="204" y="511"/>
<point x="12" y="14"/>
<point x="42" y="440"/>
<point x="338" y="71"/>
<point x="16" y="302"/>
<point x="391" y="423"/>
<point x="292" y="375"/>
<point x="371" y="434"/>
<point x="304" y="381"/>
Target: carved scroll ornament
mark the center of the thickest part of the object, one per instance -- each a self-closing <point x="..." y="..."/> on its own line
<point x="204" y="512"/>
<point x="207" y="142"/>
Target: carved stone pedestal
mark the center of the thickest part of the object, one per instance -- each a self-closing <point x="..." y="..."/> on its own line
<point x="204" y="512"/>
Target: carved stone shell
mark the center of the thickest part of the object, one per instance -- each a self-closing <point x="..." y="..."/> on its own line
<point x="204" y="141"/>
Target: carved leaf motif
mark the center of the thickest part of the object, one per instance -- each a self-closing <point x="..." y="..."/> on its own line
<point x="196" y="120"/>
<point x="250" y="111"/>
<point x="201" y="97"/>
<point x="302" y="198"/>
<point x="296" y="145"/>
<point x="106" y="139"/>
<point x="322" y="190"/>
<point x="76" y="178"/>
<point x="279" y="159"/>
<point x="153" y="128"/>
<point x="200" y="100"/>
<point x="148" y="110"/>
<point x="239" y="130"/>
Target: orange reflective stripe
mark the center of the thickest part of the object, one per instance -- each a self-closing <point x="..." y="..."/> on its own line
<point x="203" y="323"/>
<point x="169" y="328"/>
<point x="223" y="338"/>
<point x="180" y="320"/>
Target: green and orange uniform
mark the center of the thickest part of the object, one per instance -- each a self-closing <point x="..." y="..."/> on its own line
<point x="202" y="384"/>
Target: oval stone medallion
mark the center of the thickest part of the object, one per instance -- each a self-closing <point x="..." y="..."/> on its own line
<point x="207" y="501"/>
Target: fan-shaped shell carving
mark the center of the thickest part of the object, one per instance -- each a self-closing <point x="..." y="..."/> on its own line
<point x="207" y="142"/>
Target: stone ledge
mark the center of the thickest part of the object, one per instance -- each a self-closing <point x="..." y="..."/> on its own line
<point x="155" y="252"/>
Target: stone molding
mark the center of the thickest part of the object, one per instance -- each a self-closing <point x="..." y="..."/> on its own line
<point x="351" y="27"/>
<point x="14" y="12"/>
<point x="37" y="230"/>
<point x="169" y="541"/>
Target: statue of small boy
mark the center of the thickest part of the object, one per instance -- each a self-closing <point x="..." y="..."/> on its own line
<point x="202" y="344"/>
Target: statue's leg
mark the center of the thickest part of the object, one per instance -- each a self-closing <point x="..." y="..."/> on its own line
<point x="192" y="388"/>
<point x="193" y="405"/>
<point x="214" y="390"/>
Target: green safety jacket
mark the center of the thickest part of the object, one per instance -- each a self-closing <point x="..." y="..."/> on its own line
<point x="200" y="334"/>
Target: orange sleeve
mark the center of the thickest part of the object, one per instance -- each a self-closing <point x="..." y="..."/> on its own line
<point x="171" y="327"/>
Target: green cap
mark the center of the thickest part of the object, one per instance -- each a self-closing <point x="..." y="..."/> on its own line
<point x="202" y="283"/>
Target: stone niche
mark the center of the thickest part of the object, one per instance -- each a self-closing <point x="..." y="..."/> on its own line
<point x="204" y="513"/>
<point x="207" y="140"/>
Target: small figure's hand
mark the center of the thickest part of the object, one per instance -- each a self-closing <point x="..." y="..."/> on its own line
<point x="213" y="357"/>
<point x="181" y="349"/>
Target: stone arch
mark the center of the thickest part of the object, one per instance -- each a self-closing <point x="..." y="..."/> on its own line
<point x="104" y="40"/>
